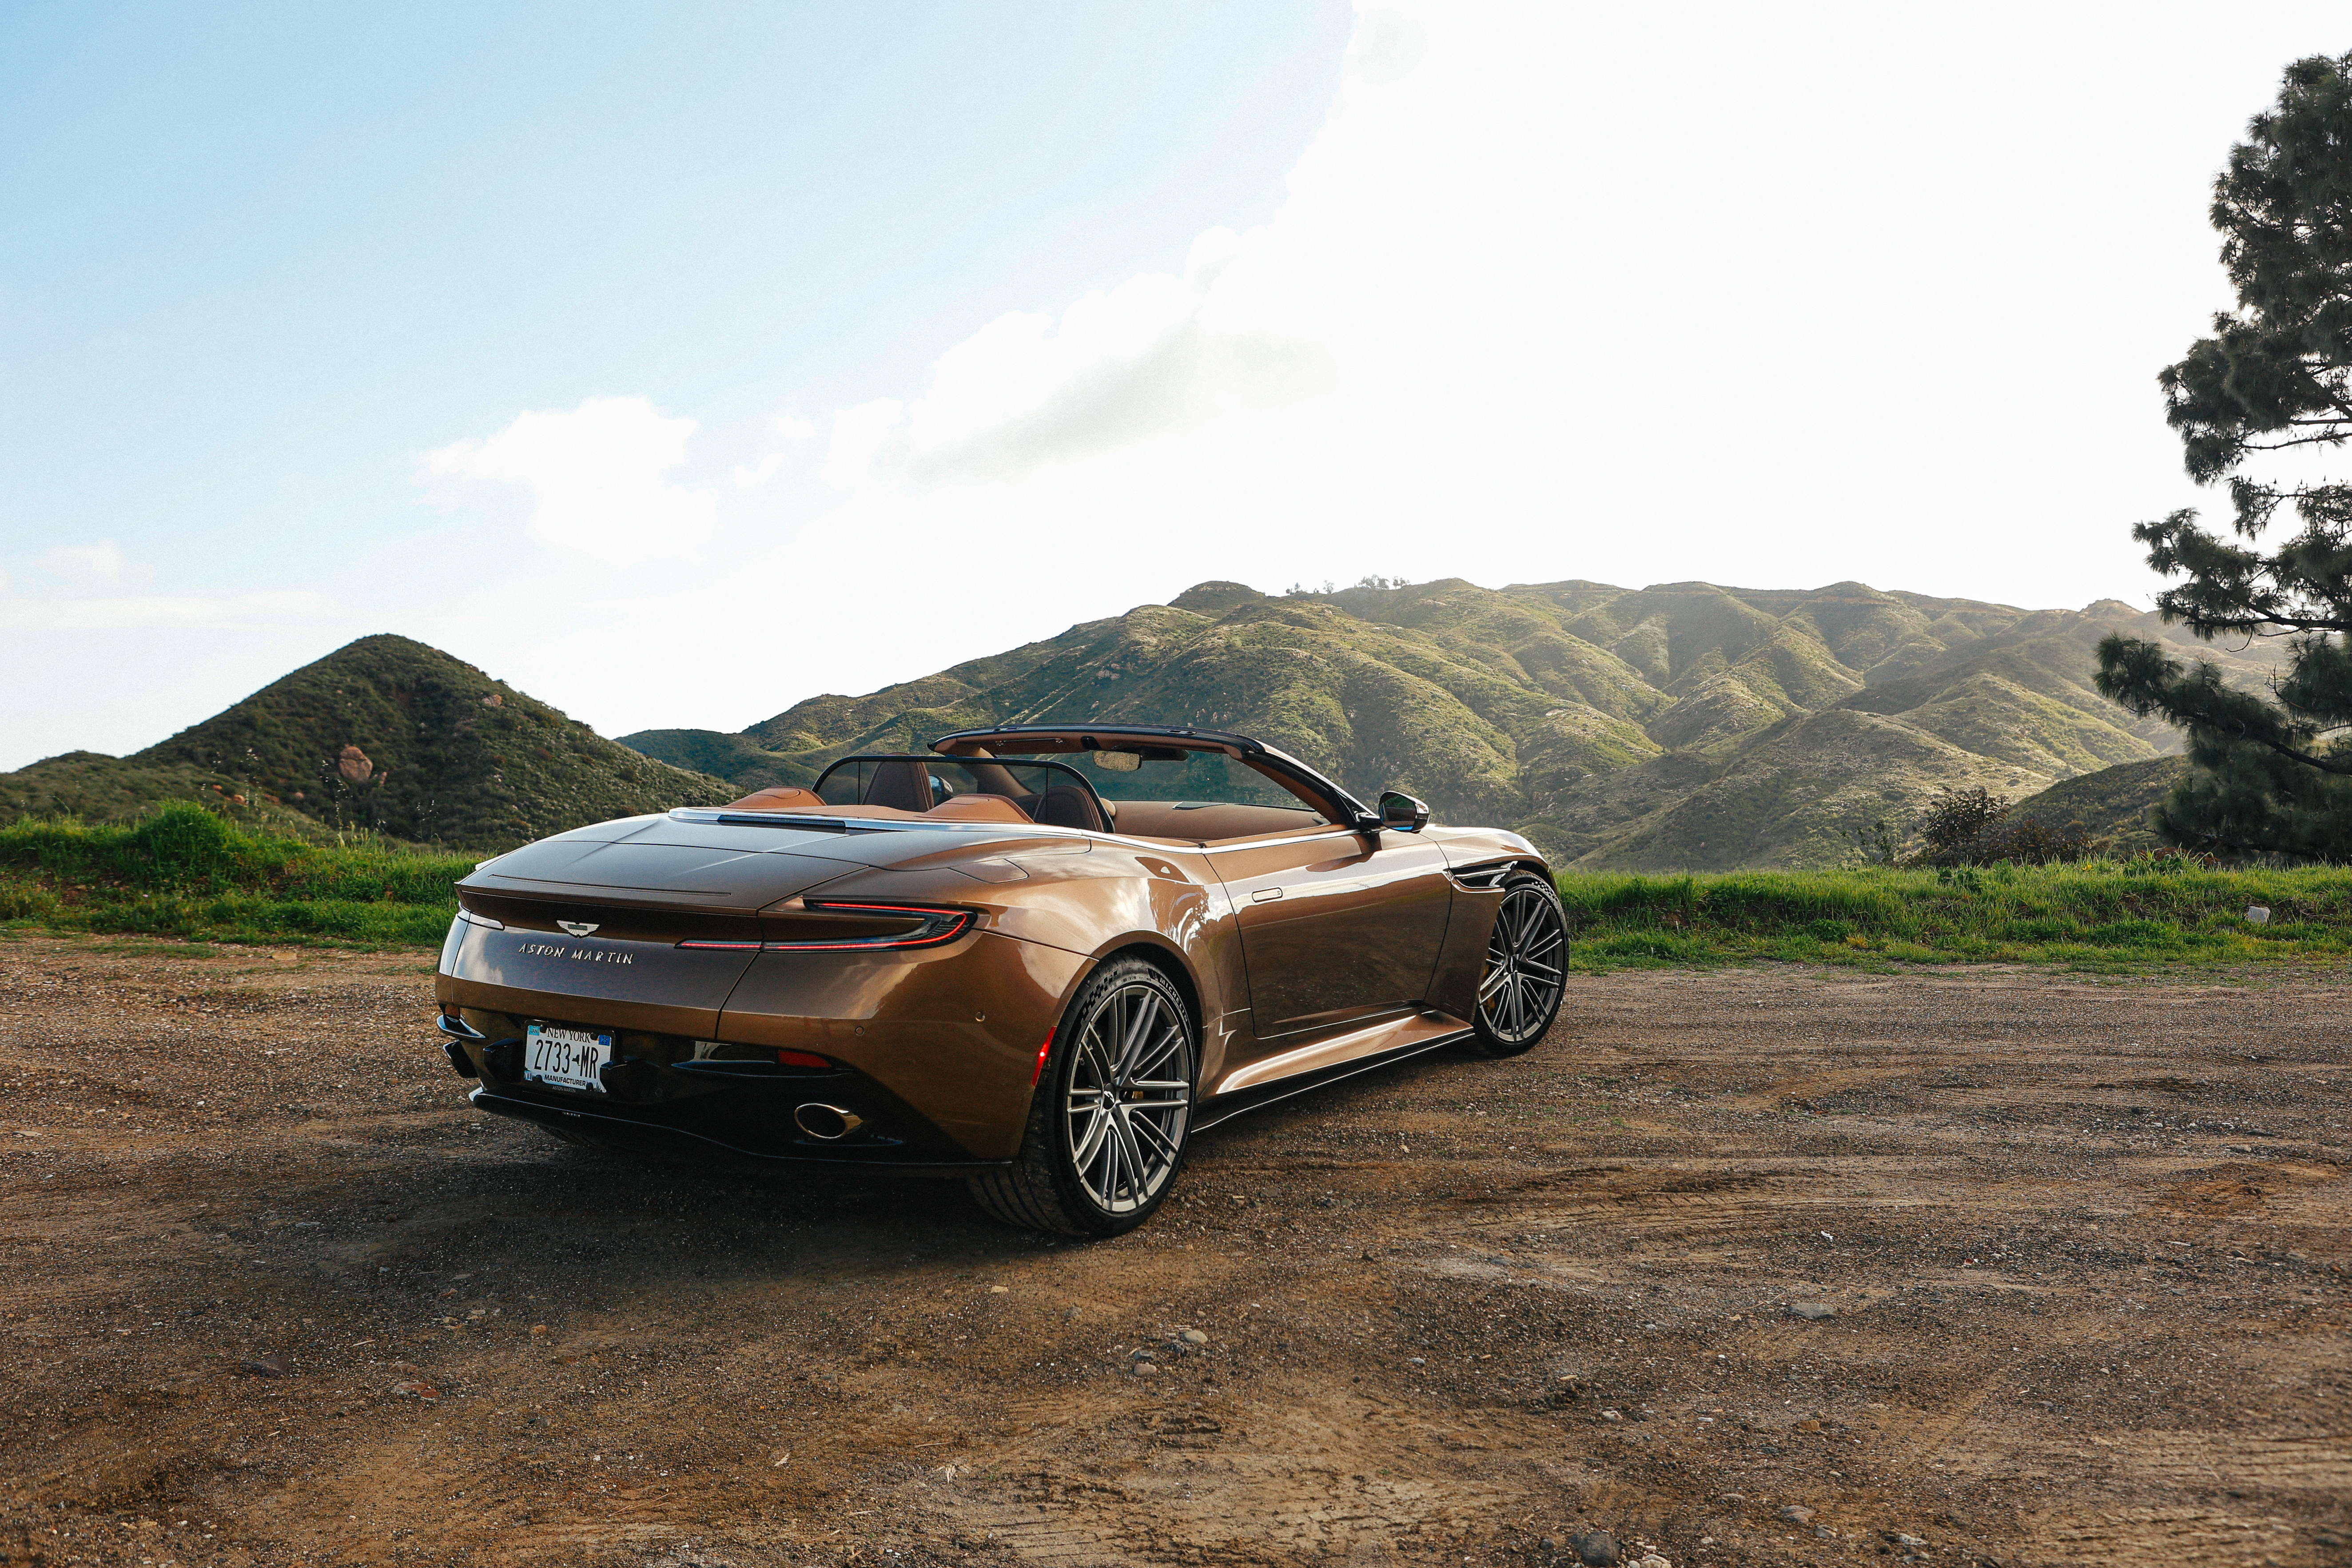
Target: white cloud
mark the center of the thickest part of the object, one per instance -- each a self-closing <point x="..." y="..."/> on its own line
<point x="760" y="473"/>
<point x="1559" y="291"/>
<point x="1119" y="367"/>
<point x="103" y="560"/>
<point x="596" y="476"/>
<point x="859" y="435"/>
<point x="753" y="475"/>
<point x="156" y="610"/>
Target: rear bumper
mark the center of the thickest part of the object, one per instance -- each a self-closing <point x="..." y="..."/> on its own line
<point x="696" y="1128"/>
<point x="936" y="1047"/>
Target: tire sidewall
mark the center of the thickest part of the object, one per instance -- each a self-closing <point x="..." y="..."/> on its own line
<point x="1490" y="1044"/>
<point x="1061" y="1067"/>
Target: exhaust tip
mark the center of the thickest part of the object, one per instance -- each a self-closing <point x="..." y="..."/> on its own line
<point x="829" y="1122"/>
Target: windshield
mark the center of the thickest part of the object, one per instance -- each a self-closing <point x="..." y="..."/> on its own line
<point x="1186" y="778"/>
<point x="1181" y="794"/>
<point x="918" y="783"/>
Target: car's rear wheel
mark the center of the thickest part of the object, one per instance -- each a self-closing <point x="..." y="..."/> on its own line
<point x="1108" y="1123"/>
<point x="1527" y="969"/>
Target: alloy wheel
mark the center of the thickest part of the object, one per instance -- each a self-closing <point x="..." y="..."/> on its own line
<point x="1527" y="961"/>
<point x="1131" y="1095"/>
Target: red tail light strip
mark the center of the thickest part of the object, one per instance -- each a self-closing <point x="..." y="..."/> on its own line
<point x="938" y="926"/>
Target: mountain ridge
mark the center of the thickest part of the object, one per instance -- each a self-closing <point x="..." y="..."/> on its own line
<point x="1681" y="726"/>
<point x="384" y="736"/>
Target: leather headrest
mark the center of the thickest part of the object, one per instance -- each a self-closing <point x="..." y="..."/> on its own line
<point x="979" y="808"/>
<point x="782" y="797"/>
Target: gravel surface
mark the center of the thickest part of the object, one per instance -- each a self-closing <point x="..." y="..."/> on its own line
<point x="1761" y="1265"/>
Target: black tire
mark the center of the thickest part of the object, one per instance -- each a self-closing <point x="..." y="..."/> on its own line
<point x="1519" y="990"/>
<point x="1112" y="1114"/>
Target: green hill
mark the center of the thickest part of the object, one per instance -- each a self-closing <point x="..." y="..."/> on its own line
<point x="386" y="736"/>
<point x="99" y="788"/>
<point x="1683" y="726"/>
<point x="2112" y="804"/>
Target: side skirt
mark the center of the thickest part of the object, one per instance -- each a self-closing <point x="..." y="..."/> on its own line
<point x="1225" y="1106"/>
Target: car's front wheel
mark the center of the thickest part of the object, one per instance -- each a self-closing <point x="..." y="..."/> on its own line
<point x="1527" y="969"/>
<point x="1112" y="1112"/>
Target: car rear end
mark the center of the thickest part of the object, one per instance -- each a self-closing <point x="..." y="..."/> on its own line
<point x="695" y="986"/>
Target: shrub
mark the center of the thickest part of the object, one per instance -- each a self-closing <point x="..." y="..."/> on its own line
<point x="1952" y="822"/>
<point x="183" y="844"/>
<point x="184" y="872"/>
<point x="1973" y="827"/>
<point x="2101" y="914"/>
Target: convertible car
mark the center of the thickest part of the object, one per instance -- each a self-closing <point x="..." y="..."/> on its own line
<point x="1039" y="958"/>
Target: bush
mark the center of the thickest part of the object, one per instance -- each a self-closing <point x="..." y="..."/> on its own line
<point x="1973" y="827"/>
<point x="1953" y="821"/>
<point x="184" y="872"/>
<point x="2095" y="913"/>
<point x="26" y="901"/>
<point x="181" y="843"/>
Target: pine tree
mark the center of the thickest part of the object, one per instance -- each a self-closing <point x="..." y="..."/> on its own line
<point x="2271" y="773"/>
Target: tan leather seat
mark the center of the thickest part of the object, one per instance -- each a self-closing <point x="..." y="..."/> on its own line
<point x="1068" y="806"/>
<point x="979" y="808"/>
<point x="783" y="797"/>
<point x="897" y="785"/>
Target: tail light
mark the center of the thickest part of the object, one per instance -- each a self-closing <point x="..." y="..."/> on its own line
<point x="923" y="925"/>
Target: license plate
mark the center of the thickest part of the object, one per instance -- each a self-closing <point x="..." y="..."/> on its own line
<point x="566" y="1058"/>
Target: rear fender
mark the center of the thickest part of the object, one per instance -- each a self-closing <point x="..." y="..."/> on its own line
<point x="953" y="1032"/>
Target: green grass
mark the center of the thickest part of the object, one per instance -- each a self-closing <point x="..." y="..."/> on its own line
<point x="183" y="873"/>
<point x="2100" y="915"/>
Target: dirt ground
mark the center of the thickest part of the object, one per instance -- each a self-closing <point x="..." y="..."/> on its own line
<point x="275" y="1294"/>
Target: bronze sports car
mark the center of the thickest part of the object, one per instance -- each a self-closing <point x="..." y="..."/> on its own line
<point x="1041" y="958"/>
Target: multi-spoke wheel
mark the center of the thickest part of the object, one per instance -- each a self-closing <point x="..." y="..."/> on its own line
<point x="1108" y="1126"/>
<point x="1527" y="969"/>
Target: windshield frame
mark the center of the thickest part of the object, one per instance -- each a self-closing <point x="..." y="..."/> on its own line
<point x="925" y="761"/>
<point x="1032" y="741"/>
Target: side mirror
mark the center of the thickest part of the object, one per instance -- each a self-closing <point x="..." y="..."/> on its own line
<point x="1400" y="812"/>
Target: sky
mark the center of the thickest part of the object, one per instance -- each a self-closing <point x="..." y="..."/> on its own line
<point x="677" y="363"/>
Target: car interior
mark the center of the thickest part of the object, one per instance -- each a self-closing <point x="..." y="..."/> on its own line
<point x="1053" y="793"/>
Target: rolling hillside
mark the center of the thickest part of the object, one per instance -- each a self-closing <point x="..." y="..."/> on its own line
<point x="1684" y="726"/>
<point x="385" y="735"/>
<point x="2112" y="804"/>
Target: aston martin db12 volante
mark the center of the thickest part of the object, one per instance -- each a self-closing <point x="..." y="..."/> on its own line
<point x="1040" y="957"/>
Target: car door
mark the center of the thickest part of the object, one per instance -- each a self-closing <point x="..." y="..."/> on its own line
<point x="1335" y="925"/>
